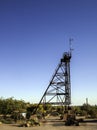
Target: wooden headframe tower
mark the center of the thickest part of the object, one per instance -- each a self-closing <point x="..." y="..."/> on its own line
<point x="58" y="91"/>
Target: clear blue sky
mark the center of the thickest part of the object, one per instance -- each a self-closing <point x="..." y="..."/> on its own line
<point x="33" y="36"/>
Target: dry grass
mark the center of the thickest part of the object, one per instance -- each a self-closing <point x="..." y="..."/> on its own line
<point x="52" y="123"/>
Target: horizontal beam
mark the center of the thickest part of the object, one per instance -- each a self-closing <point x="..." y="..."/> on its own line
<point x="56" y="94"/>
<point x="55" y="103"/>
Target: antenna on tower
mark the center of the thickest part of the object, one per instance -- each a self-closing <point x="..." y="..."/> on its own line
<point x="70" y="45"/>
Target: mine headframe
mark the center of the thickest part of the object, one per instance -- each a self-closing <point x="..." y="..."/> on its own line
<point x="58" y="91"/>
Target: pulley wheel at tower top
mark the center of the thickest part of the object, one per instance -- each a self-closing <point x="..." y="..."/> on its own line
<point x="66" y="57"/>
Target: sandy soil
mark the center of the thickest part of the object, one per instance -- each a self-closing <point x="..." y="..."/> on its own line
<point x="52" y="124"/>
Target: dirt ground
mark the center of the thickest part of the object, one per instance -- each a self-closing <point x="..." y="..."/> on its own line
<point x="53" y="123"/>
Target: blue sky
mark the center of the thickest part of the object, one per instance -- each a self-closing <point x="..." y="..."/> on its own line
<point x="33" y="37"/>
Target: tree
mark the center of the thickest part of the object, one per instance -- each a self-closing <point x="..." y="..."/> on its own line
<point x="9" y="105"/>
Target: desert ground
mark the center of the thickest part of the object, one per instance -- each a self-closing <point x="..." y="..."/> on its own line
<point x="53" y="123"/>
